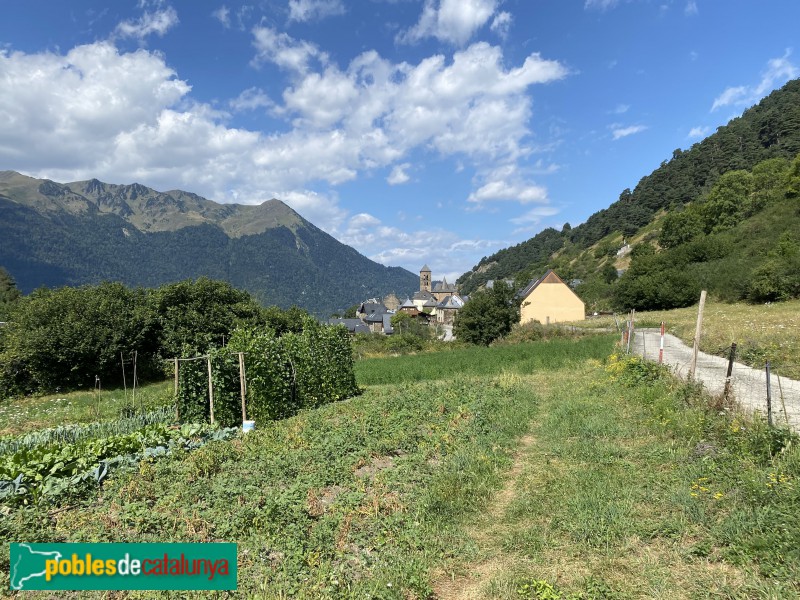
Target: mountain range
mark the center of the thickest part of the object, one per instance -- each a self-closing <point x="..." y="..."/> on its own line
<point x="55" y="234"/>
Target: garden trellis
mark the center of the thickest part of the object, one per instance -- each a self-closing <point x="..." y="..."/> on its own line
<point x="265" y="377"/>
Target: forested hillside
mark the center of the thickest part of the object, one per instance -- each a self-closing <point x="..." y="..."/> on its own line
<point x="769" y="130"/>
<point x="87" y="232"/>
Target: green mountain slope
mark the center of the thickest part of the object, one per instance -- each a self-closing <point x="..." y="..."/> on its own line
<point x="588" y="252"/>
<point x="86" y="232"/>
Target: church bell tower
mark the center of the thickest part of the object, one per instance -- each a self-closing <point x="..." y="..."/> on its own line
<point x="425" y="279"/>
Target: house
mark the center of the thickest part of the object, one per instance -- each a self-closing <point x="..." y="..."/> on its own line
<point x="409" y="307"/>
<point x="446" y="309"/>
<point x="353" y="325"/>
<point x="550" y="300"/>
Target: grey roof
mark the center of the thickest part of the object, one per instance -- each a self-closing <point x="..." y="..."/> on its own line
<point x="429" y="303"/>
<point x="490" y="283"/>
<point x="353" y="325"/>
<point x="387" y="325"/>
<point x="375" y="317"/>
<point x="369" y="308"/>
<point x="408" y="304"/>
<point x="425" y="268"/>
<point x="424" y="295"/>
<point x="443" y="286"/>
<point x="453" y="302"/>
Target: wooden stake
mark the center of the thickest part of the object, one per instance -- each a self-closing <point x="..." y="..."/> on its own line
<point x="210" y="391"/>
<point x="697" y="332"/>
<point x="177" y="405"/>
<point x="242" y="384"/>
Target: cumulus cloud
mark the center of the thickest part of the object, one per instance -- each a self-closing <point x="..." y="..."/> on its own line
<point x="778" y="71"/>
<point x="312" y="10"/>
<point x="619" y="132"/>
<point x="223" y="15"/>
<point x="530" y="220"/>
<point x="398" y="175"/>
<point x="600" y="4"/>
<point x="698" y="132"/>
<point x="251" y="99"/>
<point x="284" y="51"/>
<point x="450" y="21"/>
<point x="502" y="23"/>
<point x="127" y="116"/>
<point x="157" y="22"/>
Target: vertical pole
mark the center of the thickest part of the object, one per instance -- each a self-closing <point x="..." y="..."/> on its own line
<point x="661" y="346"/>
<point x="177" y="406"/>
<point x="124" y="383"/>
<point x="731" y="358"/>
<point x="210" y="391"/>
<point x="698" y="329"/>
<point x="783" y="402"/>
<point x="135" y="356"/>
<point x="630" y="329"/>
<point x="616" y="323"/>
<point x="242" y="384"/>
<point x="769" y="399"/>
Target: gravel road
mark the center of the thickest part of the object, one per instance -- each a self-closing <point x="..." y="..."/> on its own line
<point x="749" y="385"/>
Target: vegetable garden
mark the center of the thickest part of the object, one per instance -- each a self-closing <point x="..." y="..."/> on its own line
<point x="284" y="374"/>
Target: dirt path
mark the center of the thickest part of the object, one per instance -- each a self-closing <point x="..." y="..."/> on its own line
<point x="749" y="385"/>
<point x="486" y="533"/>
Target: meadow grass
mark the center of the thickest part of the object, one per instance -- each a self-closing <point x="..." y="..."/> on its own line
<point x="479" y="360"/>
<point x="762" y="332"/>
<point x="32" y="413"/>
<point x="506" y="473"/>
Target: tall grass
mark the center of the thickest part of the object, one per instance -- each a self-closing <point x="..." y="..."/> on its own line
<point x="477" y="360"/>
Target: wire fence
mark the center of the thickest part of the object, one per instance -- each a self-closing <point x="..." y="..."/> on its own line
<point x="758" y="388"/>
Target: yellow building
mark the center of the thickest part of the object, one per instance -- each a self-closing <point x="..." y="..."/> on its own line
<point x="550" y="300"/>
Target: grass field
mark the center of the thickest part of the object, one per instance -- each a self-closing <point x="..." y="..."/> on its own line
<point x="542" y="470"/>
<point x="23" y="415"/>
<point x="761" y="331"/>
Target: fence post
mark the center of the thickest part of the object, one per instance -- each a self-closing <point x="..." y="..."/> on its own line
<point x="630" y="329"/>
<point x="210" y="390"/>
<point x="731" y="357"/>
<point x="661" y="346"/>
<point x="242" y="384"/>
<point x="783" y="402"/>
<point x="696" y="346"/>
<point x="769" y="399"/>
<point x="177" y="405"/>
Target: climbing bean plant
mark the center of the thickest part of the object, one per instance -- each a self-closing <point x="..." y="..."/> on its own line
<point x="284" y="374"/>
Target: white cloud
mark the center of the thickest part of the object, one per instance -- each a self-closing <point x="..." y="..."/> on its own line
<point x="691" y="8"/>
<point x="284" y="51"/>
<point x="619" y="132"/>
<point x="251" y="99"/>
<point x="600" y="4"/>
<point x="530" y="220"/>
<point x="778" y="71"/>
<point x="445" y="252"/>
<point x="398" y="175"/>
<point x="222" y="14"/>
<point x="310" y="10"/>
<point x="621" y="109"/>
<point x="502" y="23"/>
<point x="127" y="116"/>
<point x="699" y="132"/>
<point x="158" y="22"/>
<point x="451" y="21"/>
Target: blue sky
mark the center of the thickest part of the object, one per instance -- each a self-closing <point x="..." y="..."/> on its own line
<point x="417" y="131"/>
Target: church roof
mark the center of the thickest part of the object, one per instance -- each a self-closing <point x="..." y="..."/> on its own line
<point x="425" y="268"/>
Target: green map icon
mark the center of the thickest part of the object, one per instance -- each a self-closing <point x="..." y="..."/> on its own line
<point x="28" y="564"/>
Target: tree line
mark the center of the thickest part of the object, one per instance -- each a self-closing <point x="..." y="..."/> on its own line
<point x="62" y="339"/>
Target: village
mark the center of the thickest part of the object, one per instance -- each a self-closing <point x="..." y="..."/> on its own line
<point x="548" y="300"/>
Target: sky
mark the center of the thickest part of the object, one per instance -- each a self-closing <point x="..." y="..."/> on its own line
<point x="417" y="131"/>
